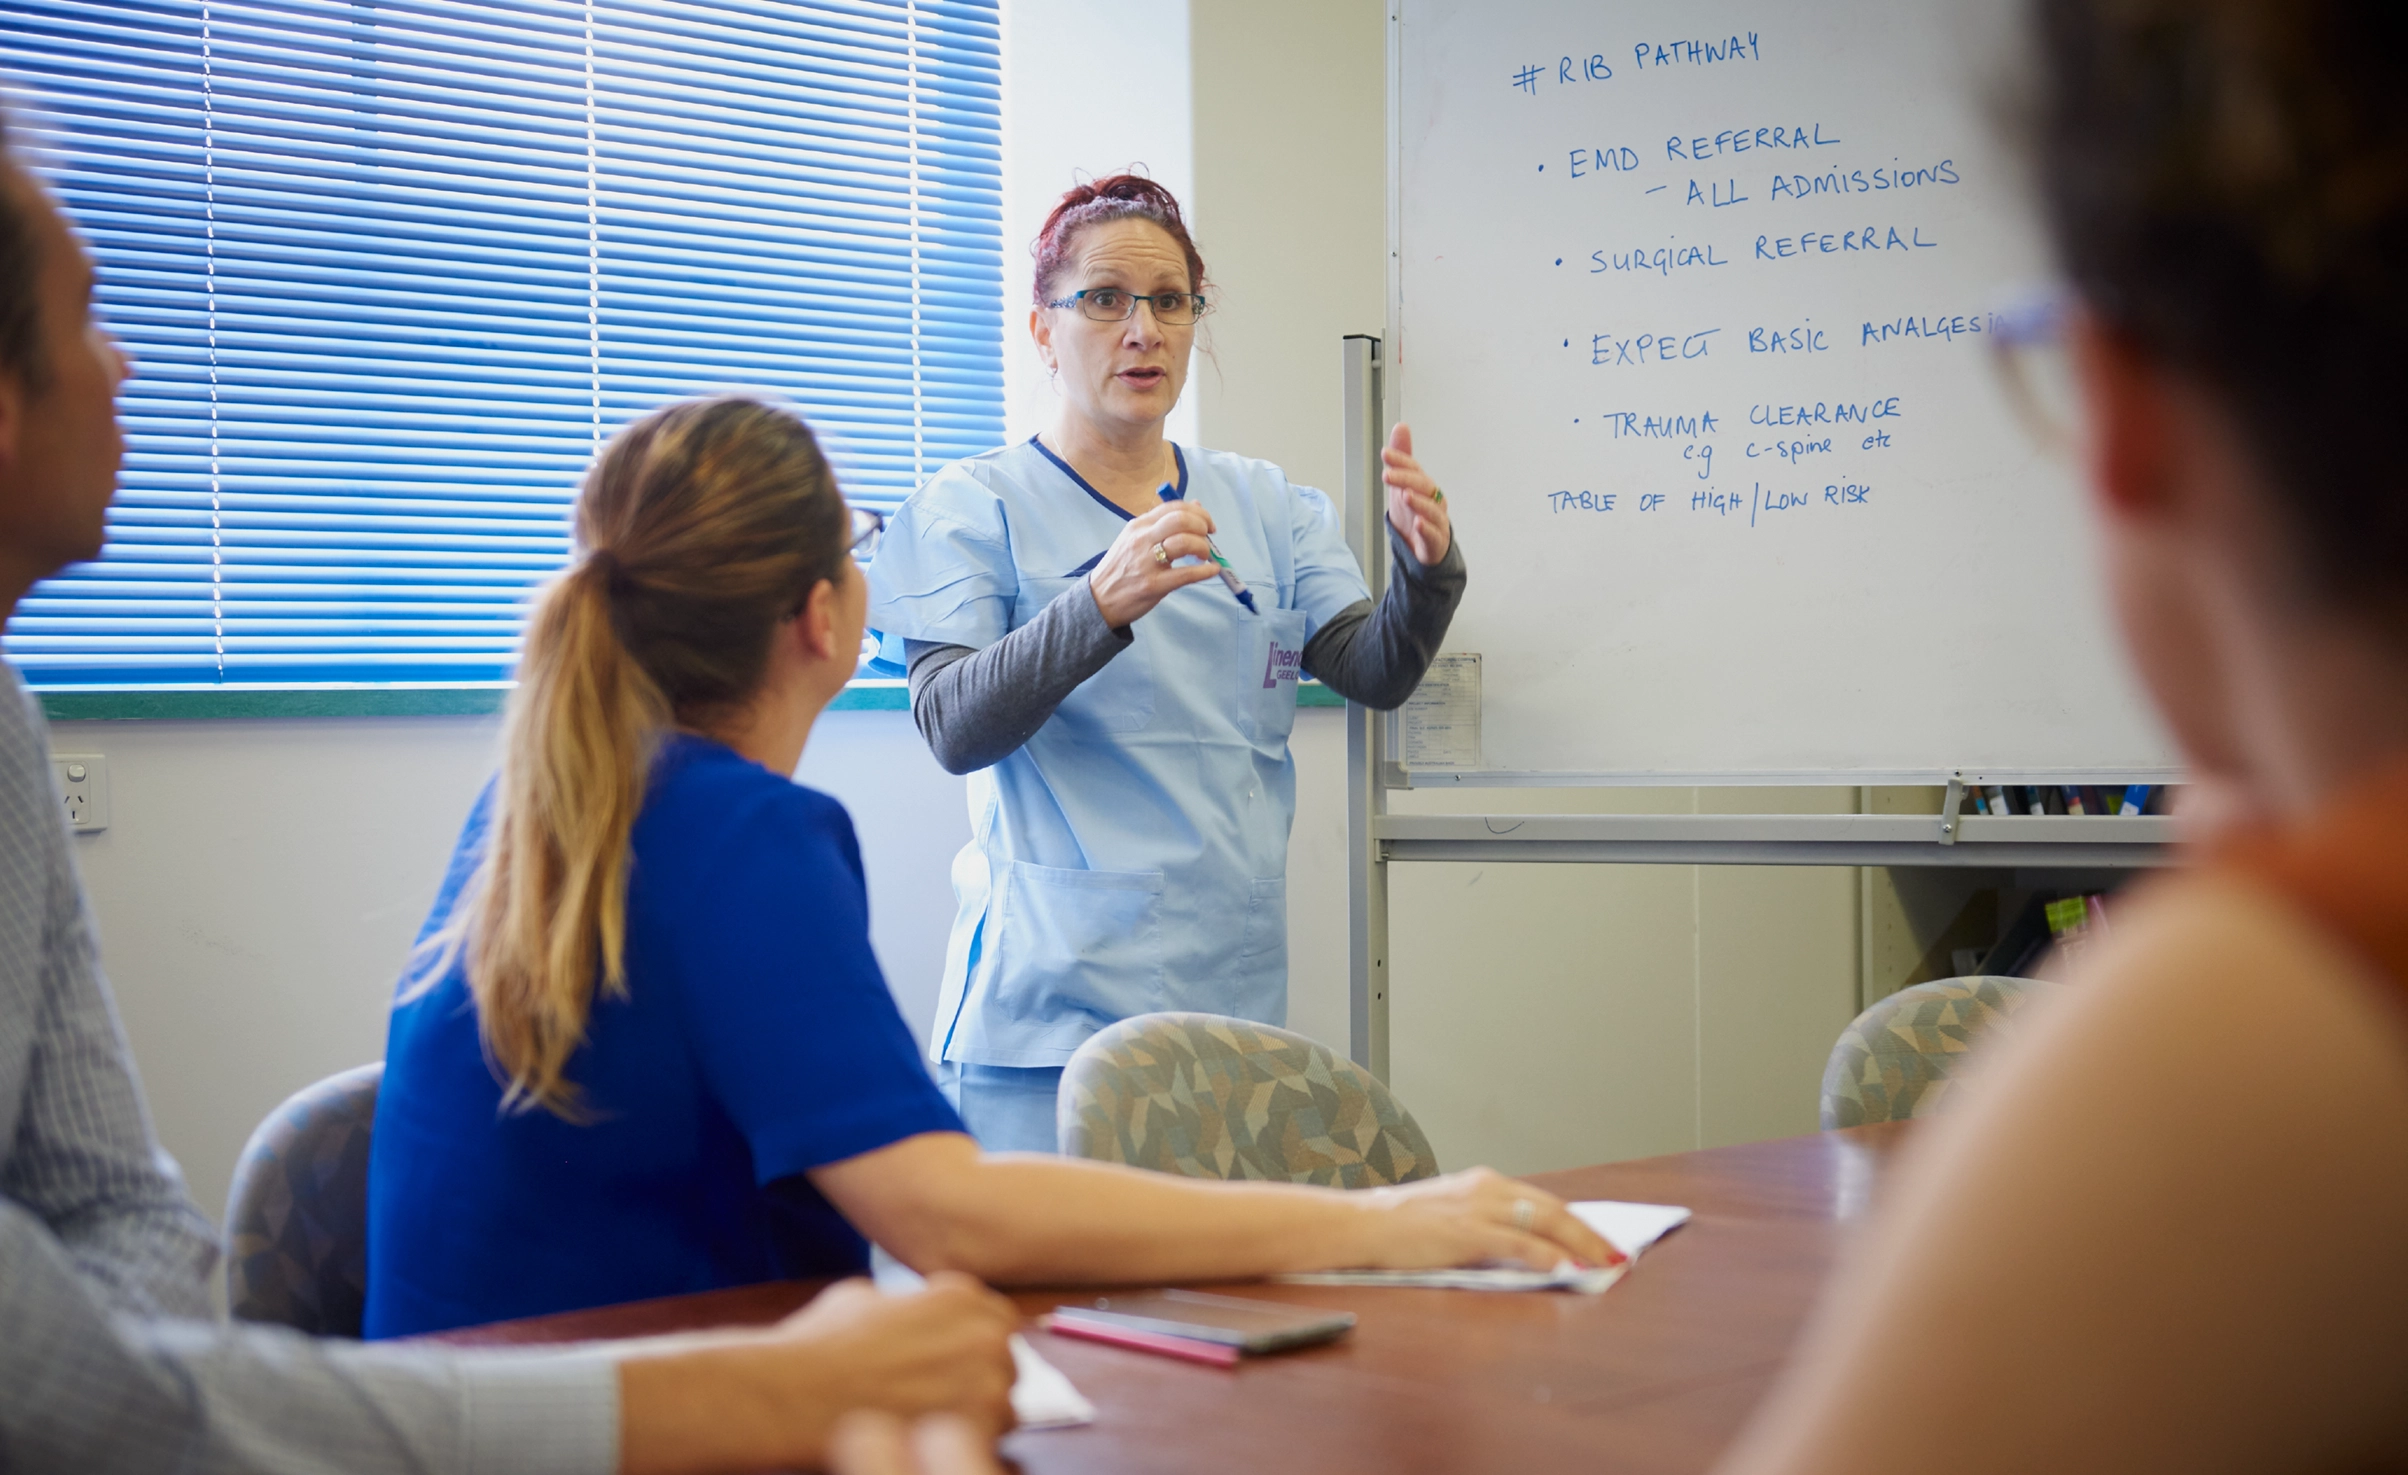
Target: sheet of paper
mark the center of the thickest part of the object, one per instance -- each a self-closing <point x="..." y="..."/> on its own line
<point x="891" y="1275"/>
<point x="1441" y="720"/>
<point x="1043" y="1397"/>
<point x="1564" y="1277"/>
<point x="1628" y="1227"/>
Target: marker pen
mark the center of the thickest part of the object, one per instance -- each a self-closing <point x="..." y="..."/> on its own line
<point x="1237" y="586"/>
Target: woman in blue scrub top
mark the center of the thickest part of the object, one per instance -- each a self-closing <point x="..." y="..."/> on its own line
<point x="650" y="1051"/>
<point x="1124" y="714"/>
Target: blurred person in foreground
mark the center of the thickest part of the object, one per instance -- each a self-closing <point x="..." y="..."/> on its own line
<point x="110" y="1358"/>
<point x="2163" y="1230"/>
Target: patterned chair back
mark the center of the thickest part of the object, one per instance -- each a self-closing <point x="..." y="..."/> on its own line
<point x="1894" y="1061"/>
<point x="1206" y="1096"/>
<point x="297" y="1217"/>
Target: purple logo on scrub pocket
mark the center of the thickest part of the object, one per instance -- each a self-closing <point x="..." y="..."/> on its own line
<point x="1281" y="665"/>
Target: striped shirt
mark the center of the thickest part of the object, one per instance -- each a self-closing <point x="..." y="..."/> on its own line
<point x="108" y="1358"/>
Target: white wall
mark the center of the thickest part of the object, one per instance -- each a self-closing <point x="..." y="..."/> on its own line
<point x="261" y="881"/>
<point x="255" y="892"/>
<point x="1070" y="116"/>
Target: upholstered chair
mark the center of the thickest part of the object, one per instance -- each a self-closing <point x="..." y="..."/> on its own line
<point x="1206" y="1096"/>
<point x="1896" y="1059"/>
<point x="297" y="1218"/>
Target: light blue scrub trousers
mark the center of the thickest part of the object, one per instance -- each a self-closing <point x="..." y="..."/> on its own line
<point x="1007" y="1108"/>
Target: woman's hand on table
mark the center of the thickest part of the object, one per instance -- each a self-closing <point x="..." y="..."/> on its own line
<point x="1470" y="1217"/>
<point x="869" y="1443"/>
<point x="1142" y="566"/>
<point x="1416" y="508"/>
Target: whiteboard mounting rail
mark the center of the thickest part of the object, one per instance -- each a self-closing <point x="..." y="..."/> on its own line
<point x="1777" y="839"/>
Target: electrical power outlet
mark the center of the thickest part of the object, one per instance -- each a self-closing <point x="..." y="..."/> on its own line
<point x="84" y="781"/>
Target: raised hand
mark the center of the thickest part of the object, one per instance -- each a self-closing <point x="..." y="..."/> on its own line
<point x="1142" y="566"/>
<point x="1416" y="508"/>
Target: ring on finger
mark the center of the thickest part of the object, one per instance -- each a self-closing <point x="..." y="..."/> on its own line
<point x="1162" y="556"/>
<point x="1437" y="492"/>
<point x="1525" y="1213"/>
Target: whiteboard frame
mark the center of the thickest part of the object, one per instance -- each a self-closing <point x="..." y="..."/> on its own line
<point x="1390" y="353"/>
<point x="1448" y="778"/>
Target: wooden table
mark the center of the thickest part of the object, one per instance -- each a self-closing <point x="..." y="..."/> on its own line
<point x="1654" y="1375"/>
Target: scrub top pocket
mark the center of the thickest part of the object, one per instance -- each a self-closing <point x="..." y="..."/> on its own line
<point x="1120" y="697"/>
<point x="1087" y="940"/>
<point x="1270" y="661"/>
<point x="1266" y="919"/>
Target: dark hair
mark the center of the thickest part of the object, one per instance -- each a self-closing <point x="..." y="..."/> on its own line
<point x="2227" y="185"/>
<point x="1115" y="197"/>
<point x="20" y="270"/>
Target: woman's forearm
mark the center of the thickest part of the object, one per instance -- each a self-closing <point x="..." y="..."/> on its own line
<point x="938" y="1203"/>
<point x="1377" y="655"/>
<point x="1035" y="1218"/>
<point x="976" y="707"/>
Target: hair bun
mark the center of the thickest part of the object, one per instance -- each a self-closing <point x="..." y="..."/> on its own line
<point x="1123" y="196"/>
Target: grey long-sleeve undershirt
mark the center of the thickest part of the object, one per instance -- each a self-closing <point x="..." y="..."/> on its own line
<point x="976" y="707"/>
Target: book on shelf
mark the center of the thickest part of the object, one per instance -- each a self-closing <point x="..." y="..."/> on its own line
<point x="2067" y="922"/>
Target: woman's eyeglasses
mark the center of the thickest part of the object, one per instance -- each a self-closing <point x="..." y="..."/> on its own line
<point x="1116" y="305"/>
<point x="868" y="527"/>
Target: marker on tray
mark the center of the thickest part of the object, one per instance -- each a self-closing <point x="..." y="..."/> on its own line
<point x="1237" y="586"/>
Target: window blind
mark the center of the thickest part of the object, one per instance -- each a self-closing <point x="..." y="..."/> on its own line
<point x="394" y="269"/>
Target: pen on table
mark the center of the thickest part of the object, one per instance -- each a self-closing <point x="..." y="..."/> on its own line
<point x="1237" y="586"/>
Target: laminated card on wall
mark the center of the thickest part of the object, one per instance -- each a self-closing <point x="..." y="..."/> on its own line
<point x="1442" y="718"/>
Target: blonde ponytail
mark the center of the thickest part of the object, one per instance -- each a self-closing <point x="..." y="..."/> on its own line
<point x="700" y="528"/>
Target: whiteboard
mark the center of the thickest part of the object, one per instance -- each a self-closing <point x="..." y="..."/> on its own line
<point x="1691" y="311"/>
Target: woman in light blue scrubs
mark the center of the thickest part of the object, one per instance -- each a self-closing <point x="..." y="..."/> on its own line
<point x="1123" y="711"/>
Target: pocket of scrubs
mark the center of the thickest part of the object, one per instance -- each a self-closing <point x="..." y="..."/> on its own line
<point x="1120" y="697"/>
<point x="1068" y="939"/>
<point x="1266" y="919"/>
<point x="1270" y="661"/>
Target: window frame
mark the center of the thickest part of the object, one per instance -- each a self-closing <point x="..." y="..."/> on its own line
<point x="468" y="699"/>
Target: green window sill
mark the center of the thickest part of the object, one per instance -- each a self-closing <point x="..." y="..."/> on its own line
<point x="202" y="703"/>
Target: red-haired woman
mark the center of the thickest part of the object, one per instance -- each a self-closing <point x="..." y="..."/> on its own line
<point x="1070" y="610"/>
